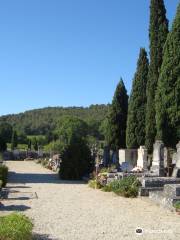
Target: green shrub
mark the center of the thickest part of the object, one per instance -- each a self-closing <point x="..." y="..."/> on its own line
<point x="94" y="184"/>
<point x="3" y="175"/>
<point x="127" y="187"/>
<point x="15" y="227"/>
<point x="177" y="205"/>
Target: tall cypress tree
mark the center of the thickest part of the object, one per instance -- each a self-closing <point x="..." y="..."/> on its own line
<point x="168" y="91"/>
<point x="117" y="118"/>
<point x="14" y="140"/>
<point x="135" y="134"/>
<point x="157" y="33"/>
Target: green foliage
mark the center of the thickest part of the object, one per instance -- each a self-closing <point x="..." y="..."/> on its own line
<point x="55" y="146"/>
<point x="3" y="175"/>
<point x="177" y="205"/>
<point x="127" y="187"/>
<point x="5" y="131"/>
<point x="76" y="160"/>
<point x="94" y="184"/>
<point x="15" y="227"/>
<point x="43" y="121"/>
<point x="71" y="127"/>
<point x="158" y="31"/>
<point x="1" y="184"/>
<point x="168" y="91"/>
<point x="14" y="140"/>
<point x="117" y="118"/>
<point x="135" y="133"/>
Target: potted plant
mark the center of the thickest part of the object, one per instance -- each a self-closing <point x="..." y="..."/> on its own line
<point x="177" y="207"/>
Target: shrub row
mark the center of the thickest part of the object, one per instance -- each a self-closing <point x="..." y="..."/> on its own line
<point x="15" y="227"/>
<point x="3" y="175"/>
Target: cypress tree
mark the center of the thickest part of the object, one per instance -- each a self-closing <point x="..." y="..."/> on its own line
<point x="157" y="33"/>
<point x="135" y="134"/>
<point x="117" y="118"/>
<point x="168" y="91"/>
<point x="14" y="140"/>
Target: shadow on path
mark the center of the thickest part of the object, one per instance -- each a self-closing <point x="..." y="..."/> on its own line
<point x="43" y="237"/>
<point x="17" y="208"/>
<point x="23" y="178"/>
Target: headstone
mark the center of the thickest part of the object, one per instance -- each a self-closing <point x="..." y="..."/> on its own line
<point x="142" y="161"/>
<point x="176" y="171"/>
<point x="158" y="159"/>
<point x="167" y="158"/>
<point x="129" y="157"/>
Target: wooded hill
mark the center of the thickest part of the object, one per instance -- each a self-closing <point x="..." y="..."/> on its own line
<point x="41" y="121"/>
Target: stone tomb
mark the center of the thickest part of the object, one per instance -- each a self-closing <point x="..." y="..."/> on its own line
<point x="176" y="171"/>
<point x="158" y="159"/>
<point x="127" y="159"/>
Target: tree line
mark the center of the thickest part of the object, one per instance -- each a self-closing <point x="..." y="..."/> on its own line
<point x="153" y="108"/>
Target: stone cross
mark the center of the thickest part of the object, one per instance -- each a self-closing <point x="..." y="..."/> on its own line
<point x="158" y="159"/>
<point x="142" y="161"/>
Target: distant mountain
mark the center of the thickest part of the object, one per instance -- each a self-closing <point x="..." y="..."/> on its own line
<point x="41" y="121"/>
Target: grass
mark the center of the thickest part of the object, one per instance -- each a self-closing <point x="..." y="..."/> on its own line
<point x="3" y="175"/>
<point x="15" y="227"/>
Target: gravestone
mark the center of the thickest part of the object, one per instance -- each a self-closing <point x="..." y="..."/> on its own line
<point x="142" y="161"/>
<point x="106" y="156"/>
<point x="176" y="171"/>
<point x="158" y="159"/>
<point x="129" y="157"/>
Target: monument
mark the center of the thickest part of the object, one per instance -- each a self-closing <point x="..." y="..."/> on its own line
<point x="158" y="159"/>
<point x="176" y="171"/>
<point x="142" y="161"/>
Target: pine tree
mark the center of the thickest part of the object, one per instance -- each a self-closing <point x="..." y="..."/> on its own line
<point x="168" y="91"/>
<point x="117" y="118"/>
<point x="135" y="133"/>
<point x="157" y="33"/>
<point x="14" y="140"/>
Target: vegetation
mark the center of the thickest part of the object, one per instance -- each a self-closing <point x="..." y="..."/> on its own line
<point x="76" y="155"/>
<point x="167" y="97"/>
<point x="135" y="134"/>
<point x="15" y="227"/>
<point x="3" y="175"/>
<point x="43" y="121"/>
<point x="127" y="187"/>
<point x="117" y="118"/>
<point x="14" y="140"/>
<point x="94" y="184"/>
<point x="158" y="31"/>
<point x="177" y="205"/>
<point x="76" y="160"/>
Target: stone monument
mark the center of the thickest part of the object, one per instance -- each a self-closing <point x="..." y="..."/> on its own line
<point x="176" y="171"/>
<point x="142" y="161"/>
<point x="158" y="159"/>
<point x="128" y="158"/>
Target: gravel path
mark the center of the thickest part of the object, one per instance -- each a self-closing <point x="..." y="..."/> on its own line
<point x="72" y="211"/>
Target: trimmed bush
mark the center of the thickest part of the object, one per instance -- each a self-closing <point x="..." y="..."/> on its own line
<point x="127" y="187"/>
<point x="3" y="175"/>
<point x="15" y="227"/>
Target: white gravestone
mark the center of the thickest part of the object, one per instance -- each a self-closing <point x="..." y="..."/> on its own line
<point x="176" y="171"/>
<point x="128" y="158"/>
<point x="158" y="159"/>
<point x="142" y="161"/>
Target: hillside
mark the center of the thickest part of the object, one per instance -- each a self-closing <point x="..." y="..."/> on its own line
<point x="40" y="121"/>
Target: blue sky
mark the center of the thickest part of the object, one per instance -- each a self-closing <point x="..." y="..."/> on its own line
<point x="69" y="52"/>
